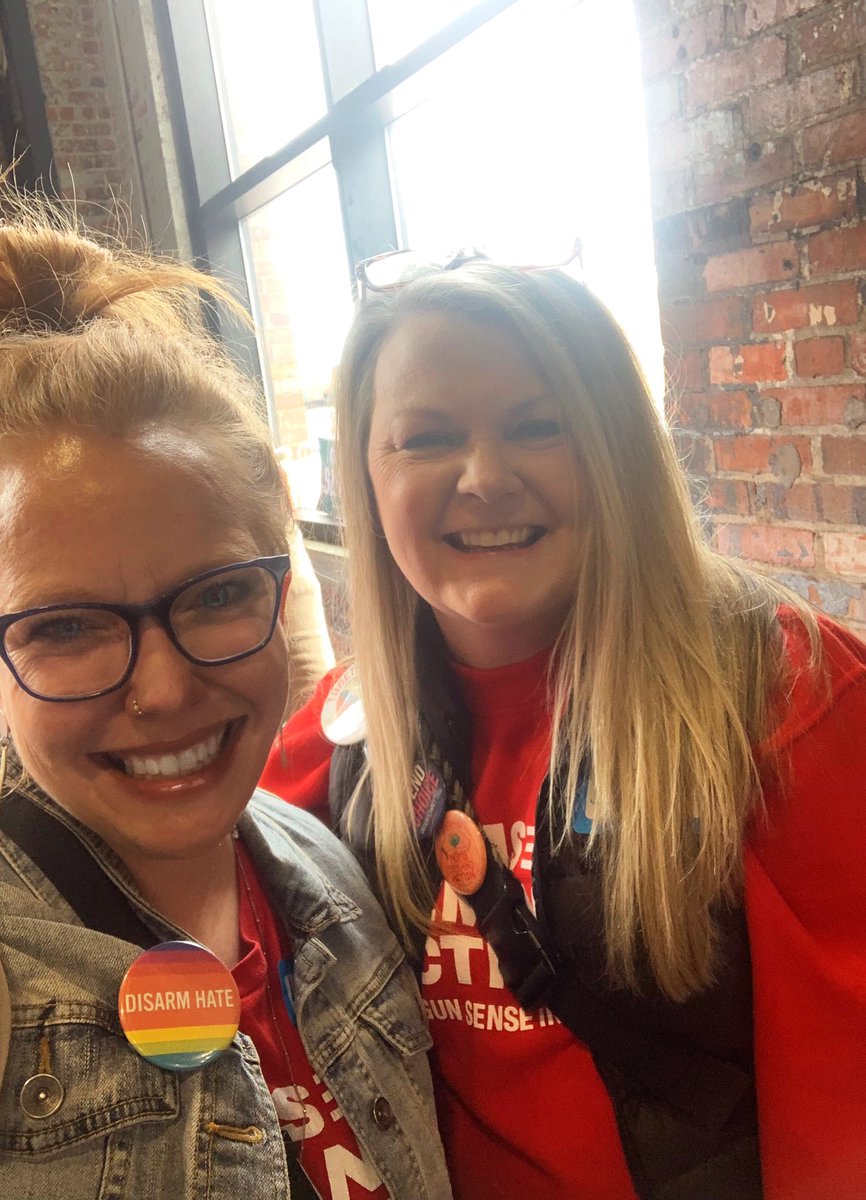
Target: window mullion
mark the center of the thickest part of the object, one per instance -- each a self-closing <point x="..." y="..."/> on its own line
<point x="358" y="149"/>
<point x="201" y="101"/>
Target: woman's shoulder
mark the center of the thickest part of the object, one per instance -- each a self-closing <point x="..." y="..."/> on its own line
<point x="294" y="848"/>
<point x="824" y="676"/>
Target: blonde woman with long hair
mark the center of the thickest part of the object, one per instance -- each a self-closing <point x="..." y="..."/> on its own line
<point x="610" y="782"/>
<point x="203" y="998"/>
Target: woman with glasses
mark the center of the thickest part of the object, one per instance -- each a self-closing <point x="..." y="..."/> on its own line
<point x="204" y="999"/>
<point x="607" y="783"/>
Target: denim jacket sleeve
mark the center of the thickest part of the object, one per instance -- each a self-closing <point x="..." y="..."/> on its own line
<point x="81" y="1112"/>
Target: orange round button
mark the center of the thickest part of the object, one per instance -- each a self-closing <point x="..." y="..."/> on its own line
<point x="461" y="853"/>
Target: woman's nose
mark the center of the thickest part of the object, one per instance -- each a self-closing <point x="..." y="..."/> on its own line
<point x="162" y="679"/>
<point x="488" y="472"/>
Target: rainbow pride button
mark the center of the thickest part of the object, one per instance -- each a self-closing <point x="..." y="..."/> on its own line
<point x="179" y="1006"/>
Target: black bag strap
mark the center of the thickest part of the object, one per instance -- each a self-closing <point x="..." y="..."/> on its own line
<point x="68" y="864"/>
<point x="705" y="1089"/>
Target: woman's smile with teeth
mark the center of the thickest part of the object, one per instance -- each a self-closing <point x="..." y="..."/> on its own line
<point x="494" y="539"/>
<point x="182" y="762"/>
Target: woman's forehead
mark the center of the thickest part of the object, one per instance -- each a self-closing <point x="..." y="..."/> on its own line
<point x="109" y="516"/>
<point x="66" y="452"/>
<point x="429" y="353"/>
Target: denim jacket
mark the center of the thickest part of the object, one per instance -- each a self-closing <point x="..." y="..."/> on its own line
<point x="104" y="1124"/>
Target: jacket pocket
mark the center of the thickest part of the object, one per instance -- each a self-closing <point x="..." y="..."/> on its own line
<point x="72" y="1079"/>
<point x="396" y="1016"/>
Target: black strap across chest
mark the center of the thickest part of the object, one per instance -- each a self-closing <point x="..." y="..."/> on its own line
<point x="66" y="861"/>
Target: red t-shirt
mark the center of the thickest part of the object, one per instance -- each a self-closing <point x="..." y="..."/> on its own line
<point x="522" y="1110"/>
<point x="307" y="1111"/>
<point x="806" y="913"/>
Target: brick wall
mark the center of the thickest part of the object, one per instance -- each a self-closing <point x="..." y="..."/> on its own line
<point x="92" y="155"/>
<point x="107" y="114"/>
<point x="757" y="125"/>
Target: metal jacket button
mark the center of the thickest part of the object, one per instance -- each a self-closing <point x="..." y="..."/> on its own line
<point x="41" y="1096"/>
<point x="383" y="1114"/>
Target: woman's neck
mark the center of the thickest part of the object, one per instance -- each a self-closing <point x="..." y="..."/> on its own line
<point x="487" y="648"/>
<point x="200" y="895"/>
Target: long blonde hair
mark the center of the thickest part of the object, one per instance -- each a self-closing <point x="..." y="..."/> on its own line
<point x="96" y="337"/>
<point x="664" y="670"/>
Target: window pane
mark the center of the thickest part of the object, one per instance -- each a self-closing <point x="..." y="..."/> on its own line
<point x="266" y="55"/>
<point x="398" y="26"/>
<point x="520" y="165"/>
<point x="302" y="297"/>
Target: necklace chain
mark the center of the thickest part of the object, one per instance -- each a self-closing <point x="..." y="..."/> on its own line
<point x="268" y="991"/>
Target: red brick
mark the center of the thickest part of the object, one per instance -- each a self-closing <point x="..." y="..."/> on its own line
<point x="694" y="452"/>
<point x="714" y="410"/>
<point x="781" y="547"/>
<point x="718" y="80"/>
<point x="748" y="363"/>
<point x="793" y="104"/>
<point x="684" y="369"/>
<point x="807" y="204"/>
<point x="828" y="36"/>
<point x="841" y="140"/>
<point x="845" y="553"/>
<point x="817" y="406"/>
<point x="770" y="502"/>
<point x="838" y="250"/>
<point x="754" y="265"/>
<point x="757" y="452"/>
<point x="801" y="502"/>
<point x="819" y="356"/>
<point x="844" y="455"/>
<point x="837" y="504"/>
<point x="730" y="496"/>
<point x="713" y="319"/>
<point x="776" y="502"/>
<point x="857" y="351"/>
<point x="751" y="16"/>
<point x="824" y="304"/>
<point x="742" y="171"/>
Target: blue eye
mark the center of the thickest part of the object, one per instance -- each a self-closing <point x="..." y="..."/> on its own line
<point x="217" y="596"/>
<point x="58" y="629"/>
<point x="66" y="627"/>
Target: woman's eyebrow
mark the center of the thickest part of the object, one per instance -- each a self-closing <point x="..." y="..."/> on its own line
<point x="55" y="595"/>
<point x="85" y="595"/>
<point x="533" y="402"/>
<point x="422" y="410"/>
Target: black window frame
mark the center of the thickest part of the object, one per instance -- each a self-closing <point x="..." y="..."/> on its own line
<point x="359" y="109"/>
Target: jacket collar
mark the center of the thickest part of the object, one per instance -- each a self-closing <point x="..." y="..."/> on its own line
<point x="289" y="866"/>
